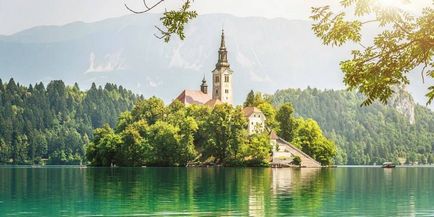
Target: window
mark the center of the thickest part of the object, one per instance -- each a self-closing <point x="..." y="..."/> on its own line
<point x="216" y="91"/>
<point x="226" y="91"/>
<point x="217" y="78"/>
<point x="226" y="78"/>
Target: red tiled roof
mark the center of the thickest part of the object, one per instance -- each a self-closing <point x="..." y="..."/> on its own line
<point x="197" y="97"/>
<point x="250" y="110"/>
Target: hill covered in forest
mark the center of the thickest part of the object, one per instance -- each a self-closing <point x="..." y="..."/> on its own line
<point x="400" y="131"/>
<point x="54" y="122"/>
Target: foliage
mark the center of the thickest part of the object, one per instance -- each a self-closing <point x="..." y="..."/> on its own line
<point x="286" y="122"/>
<point x="175" y="135"/>
<point x="174" y="21"/>
<point x="225" y="134"/>
<point x="296" y="160"/>
<point x="258" y="150"/>
<point x="364" y="135"/>
<point x="54" y="123"/>
<point x="309" y="137"/>
<point x="405" y="43"/>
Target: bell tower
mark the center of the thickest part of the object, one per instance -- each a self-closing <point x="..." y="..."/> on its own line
<point x="222" y="75"/>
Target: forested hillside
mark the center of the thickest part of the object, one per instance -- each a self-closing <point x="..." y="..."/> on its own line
<point x="366" y="135"/>
<point x="54" y="122"/>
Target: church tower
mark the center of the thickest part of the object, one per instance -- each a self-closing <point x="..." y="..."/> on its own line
<point x="204" y="86"/>
<point x="222" y="75"/>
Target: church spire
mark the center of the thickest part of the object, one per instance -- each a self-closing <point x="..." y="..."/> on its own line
<point x="223" y="53"/>
<point x="222" y="43"/>
<point x="204" y="86"/>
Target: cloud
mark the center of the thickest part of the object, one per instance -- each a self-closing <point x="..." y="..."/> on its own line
<point x="153" y="83"/>
<point x="111" y="62"/>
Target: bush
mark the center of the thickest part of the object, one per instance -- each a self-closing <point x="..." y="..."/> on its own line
<point x="296" y="161"/>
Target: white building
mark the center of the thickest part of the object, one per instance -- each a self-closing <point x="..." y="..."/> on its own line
<point x="256" y="119"/>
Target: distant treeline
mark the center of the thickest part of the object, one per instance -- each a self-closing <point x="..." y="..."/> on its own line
<point x="369" y="134"/>
<point x="54" y="122"/>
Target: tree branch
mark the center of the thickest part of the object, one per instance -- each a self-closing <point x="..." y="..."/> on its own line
<point x="369" y="21"/>
<point x="146" y="6"/>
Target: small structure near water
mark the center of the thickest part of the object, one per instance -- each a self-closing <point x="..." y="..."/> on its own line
<point x="284" y="153"/>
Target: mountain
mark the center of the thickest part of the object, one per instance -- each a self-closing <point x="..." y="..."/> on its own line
<point x="401" y="131"/>
<point x="265" y="54"/>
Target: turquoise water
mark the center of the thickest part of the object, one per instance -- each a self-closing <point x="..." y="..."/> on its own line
<point x="70" y="191"/>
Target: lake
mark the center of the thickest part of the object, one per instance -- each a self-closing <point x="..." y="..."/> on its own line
<point x="73" y="191"/>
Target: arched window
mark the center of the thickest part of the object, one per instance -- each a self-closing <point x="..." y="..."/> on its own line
<point x="217" y="79"/>
<point x="226" y="78"/>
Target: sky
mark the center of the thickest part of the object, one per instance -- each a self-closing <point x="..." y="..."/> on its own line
<point x="17" y="15"/>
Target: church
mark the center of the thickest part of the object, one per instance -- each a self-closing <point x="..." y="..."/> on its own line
<point x="222" y="92"/>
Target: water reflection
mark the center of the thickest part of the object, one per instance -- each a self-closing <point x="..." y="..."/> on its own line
<point x="215" y="191"/>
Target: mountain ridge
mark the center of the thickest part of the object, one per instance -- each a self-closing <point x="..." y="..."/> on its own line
<point x="266" y="55"/>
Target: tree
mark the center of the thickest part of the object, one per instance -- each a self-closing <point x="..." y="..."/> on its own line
<point x="404" y="44"/>
<point x="170" y="148"/>
<point x="226" y="134"/>
<point x="55" y="123"/>
<point x="270" y="114"/>
<point x="309" y="137"/>
<point x="150" y="110"/>
<point x="258" y="150"/>
<point x="4" y="151"/>
<point x="286" y="122"/>
<point x="134" y="149"/>
<point x="250" y="99"/>
<point x="103" y="149"/>
<point x="430" y="159"/>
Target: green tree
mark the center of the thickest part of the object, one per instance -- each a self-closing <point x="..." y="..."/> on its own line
<point x="4" y="151"/>
<point x="286" y="122"/>
<point x="170" y="148"/>
<point x="151" y="110"/>
<point x="270" y="114"/>
<point x="56" y="122"/>
<point x="404" y="43"/>
<point x="103" y="149"/>
<point x="309" y="137"/>
<point x="258" y="150"/>
<point x="250" y="99"/>
<point x="135" y="148"/>
<point x="226" y="134"/>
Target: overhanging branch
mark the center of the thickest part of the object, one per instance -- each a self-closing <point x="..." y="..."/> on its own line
<point x="146" y="6"/>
